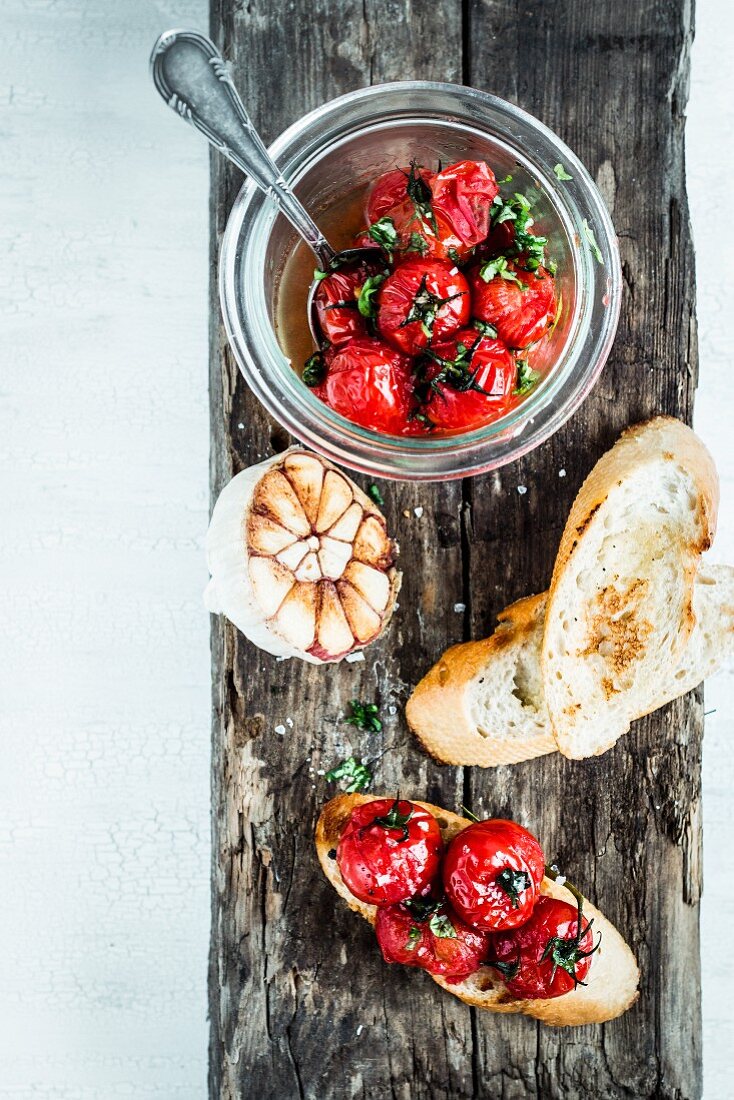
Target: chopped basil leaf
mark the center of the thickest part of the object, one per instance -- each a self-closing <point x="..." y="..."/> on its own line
<point x="384" y="233"/>
<point x="561" y="173"/>
<point x="589" y="234"/>
<point x="442" y="927"/>
<point x="374" y="493"/>
<point x="513" y="883"/>
<point x="509" y="969"/>
<point x="418" y="243"/>
<point x="365" y="716"/>
<point x="319" y="275"/>
<point x="357" y="776"/>
<point x="367" y="301"/>
<point x="453" y="255"/>
<point x="485" y="328"/>
<point x="526" y="378"/>
<point x="314" y="370"/>
<point x="498" y="267"/>
<point x="507" y="179"/>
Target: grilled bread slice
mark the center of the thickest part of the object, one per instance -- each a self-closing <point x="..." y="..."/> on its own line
<point x="631" y="621"/>
<point x="483" y="703"/>
<point x="620" y="606"/>
<point x="611" y="984"/>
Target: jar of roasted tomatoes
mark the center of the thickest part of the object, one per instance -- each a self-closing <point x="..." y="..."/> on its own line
<point x="333" y="157"/>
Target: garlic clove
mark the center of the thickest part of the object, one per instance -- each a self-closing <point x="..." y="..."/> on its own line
<point x="334" y="635"/>
<point x="336" y="497"/>
<point x="266" y="536"/>
<point x="296" y="619"/>
<point x="306" y="475"/>
<point x="276" y="497"/>
<point x="309" y="569"/>
<point x="346" y="526"/>
<point x="271" y="583"/>
<point x="371" y="583"/>
<point x="371" y="545"/>
<point x="364" y="621"/>
<point x="334" y="556"/>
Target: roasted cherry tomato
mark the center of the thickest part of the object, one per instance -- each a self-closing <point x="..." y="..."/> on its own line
<point x="337" y="302"/>
<point x="370" y="383"/>
<point x="389" y="851"/>
<point x="520" y="304"/>
<point x="425" y="933"/>
<point x="422" y="302"/>
<point x="492" y="873"/>
<point x="466" y="382"/>
<point x="400" y="207"/>
<point x="546" y="957"/>
<point x="462" y="196"/>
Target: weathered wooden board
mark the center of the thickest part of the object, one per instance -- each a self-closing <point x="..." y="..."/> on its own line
<point x="301" y="1005"/>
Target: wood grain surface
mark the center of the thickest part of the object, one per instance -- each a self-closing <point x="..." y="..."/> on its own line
<point x="301" y="1004"/>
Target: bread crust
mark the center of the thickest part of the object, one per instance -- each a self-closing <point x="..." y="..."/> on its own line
<point x="612" y="980"/>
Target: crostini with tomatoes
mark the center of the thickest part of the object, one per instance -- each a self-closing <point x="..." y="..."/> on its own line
<point x="475" y="905"/>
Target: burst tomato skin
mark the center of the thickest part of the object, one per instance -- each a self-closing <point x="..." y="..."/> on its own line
<point x="370" y="383"/>
<point x="381" y="865"/>
<point x="520" y="316"/>
<point x="475" y="860"/>
<point x="412" y="282"/>
<point x="341" y="323"/>
<point x="462" y="196"/>
<point x="404" y="939"/>
<point x="429" y="229"/>
<point x="389" y="193"/>
<point x="526" y="945"/>
<point x="494" y="370"/>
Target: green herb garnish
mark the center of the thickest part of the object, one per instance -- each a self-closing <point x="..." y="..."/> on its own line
<point x="508" y="970"/>
<point x="367" y="301"/>
<point x="561" y="173"/>
<point x="589" y="234"/>
<point x="498" y="267"/>
<point x="365" y="716"/>
<point x="453" y="255"/>
<point x="384" y="233"/>
<point x="358" y="777"/>
<point x="513" y="883"/>
<point x="485" y="328"/>
<point x="395" y="820"/>
<point x="526" y="378"/>
<point x="314" y="370"/>
<point x="425" y="306"/>
<point x="374" y="494"/>
<point x="319" y="275"/>
<point x="507" y="179"/>
<point x="418" y="243"/>
<point x="442" y="927"/>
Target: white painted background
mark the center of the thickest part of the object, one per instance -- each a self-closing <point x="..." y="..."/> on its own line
<point x="104" y="664"/>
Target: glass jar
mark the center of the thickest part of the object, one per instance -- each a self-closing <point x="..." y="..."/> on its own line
<point x="344" y="145"/>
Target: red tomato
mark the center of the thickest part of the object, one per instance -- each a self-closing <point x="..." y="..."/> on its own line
<point x="492" y="873"/>
<point x="545" y="957"/>
<point x="336" y="302"/>
<point x="429" y="935"/>
<point x="423" y="301"/>
<point x="389" y="851"/>
<point x="520" y="313"/>
<point x="462" y="196"/>
<point x="404" y="195"/>
<point x="469" y="387"/>
<point x="390" y="192"/>
<point x="370" y="384"/>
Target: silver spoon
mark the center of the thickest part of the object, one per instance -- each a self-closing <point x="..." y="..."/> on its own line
<point x="194" y="79"/>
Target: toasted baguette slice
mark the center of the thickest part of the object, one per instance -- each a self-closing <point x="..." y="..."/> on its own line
<point x="483" y="703"/>
<point x="620" y="605"/>
<point x="611" y="984"/>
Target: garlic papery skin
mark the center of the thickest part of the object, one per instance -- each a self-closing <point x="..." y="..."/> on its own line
<point x="300" y="559"/>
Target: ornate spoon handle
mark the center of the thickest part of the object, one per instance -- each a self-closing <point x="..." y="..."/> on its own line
<point x="194" y="79"/>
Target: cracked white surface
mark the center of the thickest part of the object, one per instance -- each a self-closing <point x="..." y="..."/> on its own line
<point x="104" y="784"/>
